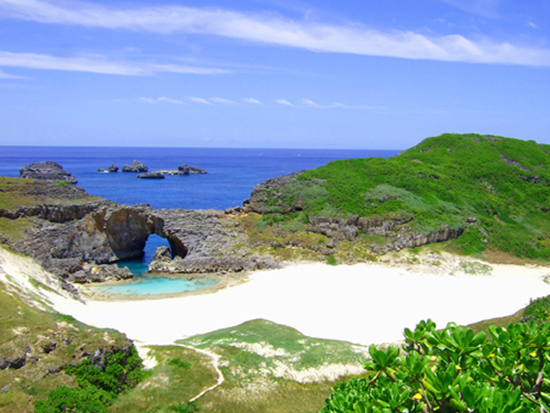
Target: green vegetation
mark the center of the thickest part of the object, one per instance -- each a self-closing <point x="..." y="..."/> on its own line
<point x="538" y="310"/>
<point x="273" y="368"/>
<point x="99" y="384"/>
<point x="170" y="384"/>
<point x="454" y="370"/>
<point x="49" y="343"/>
<point x="502" y="184"/>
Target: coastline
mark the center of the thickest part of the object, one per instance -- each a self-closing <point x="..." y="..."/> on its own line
<point x="363" y="303"/>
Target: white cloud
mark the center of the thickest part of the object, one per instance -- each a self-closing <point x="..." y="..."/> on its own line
<point x="273" y="29"/>
<point x="199" y="100"/>
<point x="96" y="64"/>
<point x="251" y="100"/>
<point x="310" y="103"/>
<point x="222" y="100"/>
<point x="160" y="100"/>
<point x="283" y="102"/>
<point x="168" y="100"/>
<point x="4" y="75"/>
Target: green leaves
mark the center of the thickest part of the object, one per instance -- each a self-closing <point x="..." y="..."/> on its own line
<point x="98" y="386"/>
<point x="454" y="370"/>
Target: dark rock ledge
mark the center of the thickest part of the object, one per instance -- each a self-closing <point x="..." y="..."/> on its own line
<point x="48" y="170"/>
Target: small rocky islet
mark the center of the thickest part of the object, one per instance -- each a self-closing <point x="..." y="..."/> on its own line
<point x="143" y="171"/>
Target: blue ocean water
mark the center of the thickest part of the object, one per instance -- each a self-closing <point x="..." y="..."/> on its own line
<point x="232" y="174"/>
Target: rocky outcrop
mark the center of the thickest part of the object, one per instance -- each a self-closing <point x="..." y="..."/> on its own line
<point x="112" y="168"/>
<point x="99" y="273"/>
<point x="417" y="239"/>
<point x="265" y="196"/>
<point x="135" y="166"/>
<point x="205" y="241"/>
<point x="151" y="175"/>
<point x="186" y="170"/>
<point x="52" y="212"/>
<point x="48" y="170"/>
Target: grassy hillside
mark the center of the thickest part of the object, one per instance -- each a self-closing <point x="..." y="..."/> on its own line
<point x="496" y="189"/>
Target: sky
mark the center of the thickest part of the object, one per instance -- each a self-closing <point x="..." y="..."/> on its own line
<point x="356" y="74"/>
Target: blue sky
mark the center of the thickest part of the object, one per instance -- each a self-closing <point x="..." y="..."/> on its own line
<point x="366" y="74"/>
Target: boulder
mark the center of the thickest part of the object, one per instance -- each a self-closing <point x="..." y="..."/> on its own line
<point x="135" y="166"/>
<point x="186" y="170"/>
<point x="162" y="254"/>
<point x="112" y="168"/>
<point x="48" y="170"/>
<point x="151" y="175"/>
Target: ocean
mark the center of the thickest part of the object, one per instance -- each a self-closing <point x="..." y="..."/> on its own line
<point x="232" y="174"/>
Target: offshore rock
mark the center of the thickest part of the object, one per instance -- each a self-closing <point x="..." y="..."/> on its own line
<point x="135" y="166"/>
<point x="48" y="170"/>
<point x="186" y="170"/>
<point x="151" y="175"/>
<point x="112" y="168"/>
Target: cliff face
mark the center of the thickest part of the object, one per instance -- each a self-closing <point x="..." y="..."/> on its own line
<point x="77" y="236"/>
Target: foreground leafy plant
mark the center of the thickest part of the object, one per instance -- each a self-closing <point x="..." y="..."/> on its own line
<point x="454" y="370"/>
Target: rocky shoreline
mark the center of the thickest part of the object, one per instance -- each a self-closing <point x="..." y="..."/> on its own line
<point x="79" y="237"/>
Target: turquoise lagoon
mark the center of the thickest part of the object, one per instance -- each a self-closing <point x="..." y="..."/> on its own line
<point x="153" y="284"/>
<point x="145" y="285"/>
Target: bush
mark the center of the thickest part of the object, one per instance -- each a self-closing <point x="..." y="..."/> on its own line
<point x="97" y="387"/>
<point x="454" y="370"/>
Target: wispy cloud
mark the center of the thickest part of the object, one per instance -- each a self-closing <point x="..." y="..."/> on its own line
<point x="96" y="64"/>
<point x="271" y="28"/>
<point x="4" y="75"/>
<point x="198" y="100"/>
<point x="223" y="100"/>
<point x="251" y="100"/>
<point x="283" y="102"/>
<point x="310" y="103"/>
<point x="485" y="8"/>
<point x="160" y="100"/>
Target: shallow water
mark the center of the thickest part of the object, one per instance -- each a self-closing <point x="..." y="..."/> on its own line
<point x="154" y="285"/>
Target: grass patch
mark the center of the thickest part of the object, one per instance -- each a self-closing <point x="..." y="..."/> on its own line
<point x="180" y="375"/>
<point x="262" y="361"/>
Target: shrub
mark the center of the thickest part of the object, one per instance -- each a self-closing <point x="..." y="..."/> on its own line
<point x="454" y="370"/>
<point x="97" y="387"/>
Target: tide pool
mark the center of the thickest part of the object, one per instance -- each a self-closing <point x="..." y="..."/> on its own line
<point x="154" y="285"/>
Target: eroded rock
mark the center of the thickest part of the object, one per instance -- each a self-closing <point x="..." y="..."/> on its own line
<point x="48" y="170"/>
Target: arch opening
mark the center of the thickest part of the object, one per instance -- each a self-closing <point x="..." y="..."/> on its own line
<point x="139" y="265"/>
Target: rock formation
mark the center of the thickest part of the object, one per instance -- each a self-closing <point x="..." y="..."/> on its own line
<point x="78" y="237"/>
<point x="186" y="170"/>
<point x="48" y="170"/>
<point x="151" y="175"/>
<point x="135" y="166"/>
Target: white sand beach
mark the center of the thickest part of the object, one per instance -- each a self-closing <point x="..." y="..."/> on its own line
<point x="364" y="304"/>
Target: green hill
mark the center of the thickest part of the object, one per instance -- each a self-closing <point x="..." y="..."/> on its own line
<point x="490" y="193"/>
